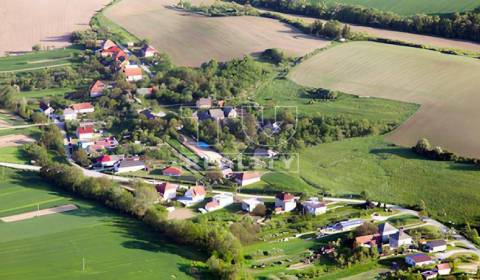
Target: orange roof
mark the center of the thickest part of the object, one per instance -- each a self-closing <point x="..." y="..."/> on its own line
<point x="365" y="239"/>
<point x="163" y="187"/>
<point x="173" y="170"/>
<point x="98" y="86"/>
<point x="198" y="191"/>
<point x="85" y="129"/>
<point x="132" y="71"/>
<point x="211" y="204"/>
<point x="443" y="266"/>
<point x="82" y="106"/>
<point x="249" y="175"/>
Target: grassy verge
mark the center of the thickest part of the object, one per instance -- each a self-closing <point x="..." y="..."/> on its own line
<point x="115" y="31"/>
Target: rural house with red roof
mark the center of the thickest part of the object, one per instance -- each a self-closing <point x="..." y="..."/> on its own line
<point x="148" y="51"/>
<point x="83" y="108"/>
<point x="106" y="161"/>
<point x="167" y="190"/>
<point x="314" y="207"/>
<point x="133" y="73"/>
<point x="247" y="178"/>
<point x="219" y="201"/>
<point x="285" y="202"/>
<point x="193" y="195"/>
<point x="97" y="89"/>
<point x="172" y="171"/>
<point x="85" y="132"/>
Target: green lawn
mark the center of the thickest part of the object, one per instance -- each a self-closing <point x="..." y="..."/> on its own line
<point x="280" y="181"/>
<point x="39" y="60"/>
<point x="410" y="7"/>
<point x="404" y="220"/>
<point x="393" y="174"/>
<point x="282" y="92"/>
<point x="13" y="155"/>
<point x="54" y="246"/>
<point x="37" y="94"/>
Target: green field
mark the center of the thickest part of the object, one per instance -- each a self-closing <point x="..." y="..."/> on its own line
<point x="54" y="246"/>
<point x="117" y="33"/>
<point x="39" y="60"/>
<point x="410" y="7"/>
<point x="445" y="85"/>
<point x="13" y="155"/>
<point x="393" y="174"/>
<point x="282" y="92"/>
<point x="37" y="94"/>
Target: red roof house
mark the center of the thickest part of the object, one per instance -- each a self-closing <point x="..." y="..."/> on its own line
<point x="85" y="132"/>
<point x="167" y="190"/>
<point x="97" y="89"/>
<point x="85" y="107"/>
<point x="248" y="177"/>
<point x="172" y="171"/>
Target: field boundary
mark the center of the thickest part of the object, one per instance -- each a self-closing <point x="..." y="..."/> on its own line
<point x="44" y="212"/>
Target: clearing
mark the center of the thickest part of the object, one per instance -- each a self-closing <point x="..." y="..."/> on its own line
<point x="192" y="39"/>
<point x="45" y="22"/>
<point x="15" y="140"/>
<point x="445" y="86"/>
<point x="410" y="7"/>
<point x="113" y="246"/>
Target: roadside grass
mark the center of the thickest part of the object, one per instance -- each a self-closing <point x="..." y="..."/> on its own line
<point x="118" y="33"/>
<point x="39" y="60"/>
<point x="411" y="7"/>
<point x="112" y="245"/>
<point x="394" y="175"/>
<point x="283" y="92"/>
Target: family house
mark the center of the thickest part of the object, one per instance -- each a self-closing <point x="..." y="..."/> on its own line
<point x="285" y="202"/>
<point x="434" y="246"/>
<point x="132" y="72"/>
<point x="216" y="114"/>
<point x="429" y="274"/>
<point x="172" y="171"/>
<point x="193" y="195"/>
<point x="69" y="114"/>
<point x="204" y="103"/>
<point x="385" y="230"/>
<point x="400" y="239"/>
<point x="108" y="143"/>
<point x="148" y="51"/>
<point x="219" y="201"/>
<point x="250" y="204"/>
<point x="444" y="269"/>
<point x="97" y="89"/>
<point x="83" y="108"/>
<point x="367" y="241"/>
<point x="108" y="44"/>
<point x="247" y="178"/>
<point x="418" y="260"/>
<point x="167" y="191"/>
<point x="85" y="132"/>
<point x="46" y="109"/>
<point x="314" y="207"/>
<point x="230" y="112"/>
<point x="115" y="52"/>
<point x="348" y="225"/>
<point x="106" y="161"/>
<point x="129" y="165"/>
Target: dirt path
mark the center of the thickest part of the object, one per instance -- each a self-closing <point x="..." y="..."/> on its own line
<point x="44" y="212"/>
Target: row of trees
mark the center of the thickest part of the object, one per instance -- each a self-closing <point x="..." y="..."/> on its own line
<point x="463" y="26"/>
<point x="425" y="149"/>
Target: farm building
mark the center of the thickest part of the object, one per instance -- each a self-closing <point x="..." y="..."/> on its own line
<point x="247" y="178"/>
<point x="128" y="165"/>
<point x="172" y="171"/>
<point x="418" y="260"/>
<point x="285" y="202"/>
<point x="434" y="246"/>
<point x="69" y="114"/>
<point x="85" y="132"/>
<point x="204" y="103"/>
<point x="250" y="204"/>
<point x="219" y="201"/>
<point x="133" y="73"/>
<point x="148" y="51"/>
<point x="167" y="190"/>
<point x="314" y="207"/>
<point x="399" y="239"/>
<point x="97" y="89"/>
<point x="83" y="108"/>
<point x="348" y="225"/>
<point x="385" y="230"/>
<point x="193" y="195"/>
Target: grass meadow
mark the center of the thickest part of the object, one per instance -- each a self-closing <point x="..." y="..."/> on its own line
<point x="39" y="60"/>
<point x="411" y="7"/>
<point x="54" y="246"/>
<point x="38" y="94"/>
<point x="445" y="85"/>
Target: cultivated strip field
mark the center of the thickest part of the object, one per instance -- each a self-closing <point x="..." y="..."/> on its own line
<point x="44" y="212"/>
<point x="445" y="85"/>
<point x="15" y="140"/>
<point x="410" y="7"/>
<point x="402" y="36"/>
<point x="192" y="39"/>
<point x="46" y="22"/>
<point x="112" y="246"/>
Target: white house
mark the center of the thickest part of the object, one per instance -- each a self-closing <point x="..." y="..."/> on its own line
<point x="83" y="108"/>
<point x="85" y="132"/>
<point x="109" y="160"/>
<point x="250" y="204"/>
<point x="219" y="201"/>
<point x="46" y="109"/>
<point x="69" y="114"/>
<point x="385" y="230"/>
<point x="247" y="178"/>
<point x="400" y="239"/>
<point x="418" y="260"/>
<point x="436" y="246"/>
<point x="128" y="165"/>
<point x="193" y="195"/>
<point x="314" y="207"/>
<point x="444" y="269"/>
<point x="148" y="51"/>
<point x="285" y="202"/>
<point x="167" y="190"/>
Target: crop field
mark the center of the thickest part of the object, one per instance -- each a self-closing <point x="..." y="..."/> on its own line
<point x="38" y="60"/>
<point x="45" y="22"/>
<point x="192" y="39"/>
<point x="395" y="175"/>
<point x="445" y="85"/>
<point x="410" y="7"/>
<point x="55" y="246"/>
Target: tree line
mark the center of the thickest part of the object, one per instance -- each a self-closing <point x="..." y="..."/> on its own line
<point x="456" y="25"/>
<point x="425" y="149"/>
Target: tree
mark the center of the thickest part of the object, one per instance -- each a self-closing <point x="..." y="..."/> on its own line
<point x="145" y="196"/>
<point x="366" y="228"/>
<point x="364" y="195"/>
<point x="36" y="47"/>
<point x="423" y="146"/>
<point x="259" y="210"/>
<point x="81" y="157"/>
